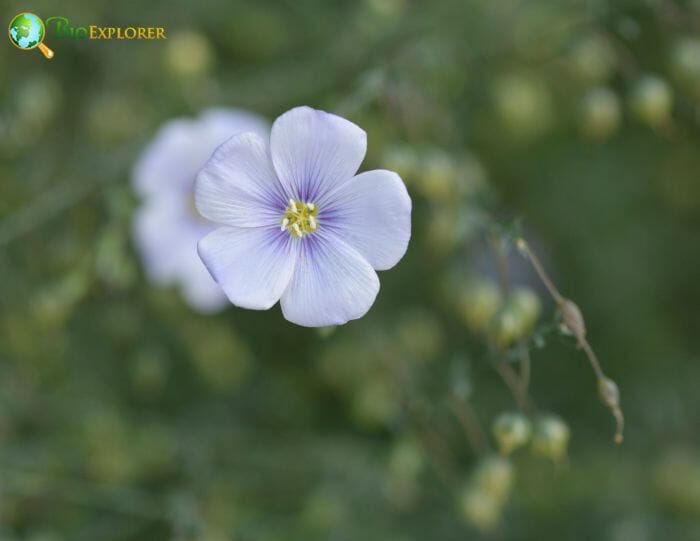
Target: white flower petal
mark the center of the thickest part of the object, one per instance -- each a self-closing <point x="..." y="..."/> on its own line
<point x="199" y="288"/>
<point x="315" y="152"/>
<point x="182" y="146"/>
<point x="253" y="265"/>
<point x="165" y="237"/>
<point x="166" y="165"/>
<point x="332" y="284"/>
<point x="372" y="213"/>
<point x="238" y="185"/>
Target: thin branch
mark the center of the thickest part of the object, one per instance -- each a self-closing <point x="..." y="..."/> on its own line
<point x="525" y="366"/>
<point x="515" y="385"/>
<point x="539" y="269"/>
<point x="470" y="423"/>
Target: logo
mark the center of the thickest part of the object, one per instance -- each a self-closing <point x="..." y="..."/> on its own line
<point x="27" y="32"/>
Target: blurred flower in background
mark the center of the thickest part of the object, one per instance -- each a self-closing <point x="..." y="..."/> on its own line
<point x="167" y="227"/>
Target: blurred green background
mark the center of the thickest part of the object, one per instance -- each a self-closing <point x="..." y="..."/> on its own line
<point x="124" y="415"/>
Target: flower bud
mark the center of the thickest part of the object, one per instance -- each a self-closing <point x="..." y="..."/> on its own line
<point x="550" y="438"/>
<point x="480" y="509"/>
<point x="572" y="319"/>
<point x="610" y="396"/>
<point x="517" y="318"/>
<point x="601" y="112"/>
<point x="652" y="100"/>
<point x="189" y="54"/>
<point x="495" y="476"/>
<point x="609" y="392"/>
<point x="437" y="180"/>
<point x="685" y="61"/>
<point x="511" y="431"/>
<point x="478" y="304"/>
<point x="506" y="328"/>
<point x="527" y="304"/>
<point x="593" y="59"/>
<point x="406" y="460"/>
<point x="524" y="105"/>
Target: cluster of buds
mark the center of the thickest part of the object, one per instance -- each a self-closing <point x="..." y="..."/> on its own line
<point x="482" y="500"/>
<point x="504" y="319"/>
<point x="548" y="438"/>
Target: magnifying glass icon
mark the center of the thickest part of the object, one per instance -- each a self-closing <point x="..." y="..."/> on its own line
<point x="27" y="32"/>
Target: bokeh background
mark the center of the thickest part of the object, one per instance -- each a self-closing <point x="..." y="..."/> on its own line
<point x="126" y="415"/>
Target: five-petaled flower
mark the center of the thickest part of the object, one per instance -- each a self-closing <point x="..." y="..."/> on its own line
<point x="297" y="224"/>
<point x="166" y="225"/>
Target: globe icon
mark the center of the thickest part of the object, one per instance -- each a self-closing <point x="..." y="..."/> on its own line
<point x="27" y="32"/>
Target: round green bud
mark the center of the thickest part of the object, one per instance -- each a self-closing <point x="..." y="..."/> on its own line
<point x="511" y="431"/>
<point x="406" y="460"/>
<point x="550" y="438"/>
<point x="652" y="100"/>
<point x="480" y="509"/>
<point x="478" y="304"/>
<point x="506" y="328"/>
<point x="437" y="179"/>
<point x="685" y="59"/>
<point x="593" y="59"/>
<point x="495" y="476"/>
<point x="526" y="302"/>
<point x="601" y="112"/>
<point x="517" y="318"/>
<point x="189" y="54"/>
<point x="523" y="105"/>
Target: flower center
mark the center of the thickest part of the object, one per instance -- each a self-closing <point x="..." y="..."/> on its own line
<point x="300" y="218"/>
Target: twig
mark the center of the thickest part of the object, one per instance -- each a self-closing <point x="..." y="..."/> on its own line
<point x="515" y="385"/>
<point x="525" y="366"/>
<point x="574" y="323"/>
<point x="470" y="423"/>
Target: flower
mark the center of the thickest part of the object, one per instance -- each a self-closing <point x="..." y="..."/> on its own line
<point x="166" y="227"/>
<point x="297" y="224"/>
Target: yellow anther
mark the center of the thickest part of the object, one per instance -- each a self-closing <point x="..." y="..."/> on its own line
<point x="300" y="218"/>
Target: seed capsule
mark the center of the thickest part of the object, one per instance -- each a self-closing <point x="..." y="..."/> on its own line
<point x="652" y="101"/>
<point x="551" y="438"/>
<point x="495" y="476"/>
<point x="601" y="113"/>
<point x="480" y="509"/>
<point x="572" y="318"/>
<point x="478" y="304"/>
<point x="511" y="431"/>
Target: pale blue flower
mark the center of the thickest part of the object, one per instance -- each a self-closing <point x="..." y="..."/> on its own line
<point x="167" y="227"/>
<point x="297" y="224"/>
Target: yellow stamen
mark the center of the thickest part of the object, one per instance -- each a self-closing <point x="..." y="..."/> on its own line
<point x="300" y="219"/>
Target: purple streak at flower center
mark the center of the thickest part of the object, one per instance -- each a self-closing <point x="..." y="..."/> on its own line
<point x="299" y="219"/>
